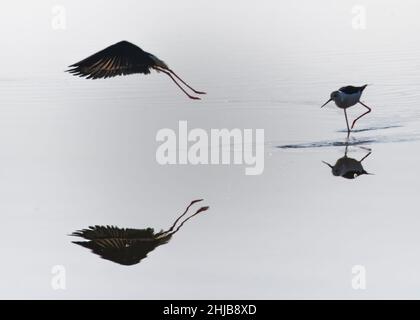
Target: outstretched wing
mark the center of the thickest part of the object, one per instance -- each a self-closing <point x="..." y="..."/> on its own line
<point x="121" y="58"/>
<point x="120" y="245"/>
<point x="111" y="232"/>
<point x="352" y="89"/>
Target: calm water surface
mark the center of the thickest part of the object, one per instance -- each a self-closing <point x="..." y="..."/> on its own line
<point x="76" y="153"/>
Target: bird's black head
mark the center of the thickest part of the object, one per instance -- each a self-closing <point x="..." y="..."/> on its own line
<point x="335" y="95"/>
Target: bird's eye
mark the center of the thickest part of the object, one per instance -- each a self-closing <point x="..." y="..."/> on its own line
<point x="355" y="175"/>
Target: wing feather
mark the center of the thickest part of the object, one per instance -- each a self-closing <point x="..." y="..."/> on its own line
<point x="122" y="58"/>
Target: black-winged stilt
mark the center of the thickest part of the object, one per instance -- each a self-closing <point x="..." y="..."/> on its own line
<point x="347" y="97"/>
<point x="124" y="58"/>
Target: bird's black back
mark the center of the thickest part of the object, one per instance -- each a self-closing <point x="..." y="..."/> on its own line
<point x="121" y="58"/>
<point x="352" y="89"/>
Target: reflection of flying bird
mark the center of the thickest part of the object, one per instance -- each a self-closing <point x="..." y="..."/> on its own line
<point x="348" y="168"/>
<point x="124" y="58"/>
<point x="347" y="97"/>
<point x="128" y="246"/>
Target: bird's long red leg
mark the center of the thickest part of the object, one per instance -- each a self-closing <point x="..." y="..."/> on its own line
<point x="186" y="84"/>
<point x="170" y="75"/>
<point x="369" y="110"/>
<point x="347" y="122"/>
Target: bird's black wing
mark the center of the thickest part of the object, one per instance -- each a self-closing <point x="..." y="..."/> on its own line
<point x="352" y="89"/>
<point x="120" y="245"/>
<point x="111" y="232"/>
<point x="121" y="58"/>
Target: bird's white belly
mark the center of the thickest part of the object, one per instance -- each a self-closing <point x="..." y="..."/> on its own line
<point x="347" y="100"/>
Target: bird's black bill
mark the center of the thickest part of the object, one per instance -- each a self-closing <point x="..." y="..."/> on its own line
<point x="326" y="103"/>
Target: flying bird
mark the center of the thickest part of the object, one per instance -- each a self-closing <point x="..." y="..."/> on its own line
<point x="347" y="97"/>
<point x="125" y="58"/>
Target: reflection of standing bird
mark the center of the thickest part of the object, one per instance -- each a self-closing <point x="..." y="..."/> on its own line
<point x="348" y="168"/>
<point x="347" y="97"/>
<point x="124" y="58"/>
<point x="128" y="246"/>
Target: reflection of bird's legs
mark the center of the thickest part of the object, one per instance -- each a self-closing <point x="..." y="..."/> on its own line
<point x="347" y="147"/>
<point x="365" y="156"/>
<point x="193" y="215"/>
<point x="365" y="148"/>
<point x="179" y="218"/>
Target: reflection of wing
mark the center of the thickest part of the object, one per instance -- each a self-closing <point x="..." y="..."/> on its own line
<point x="128" y="246"/>
<point x="107" y="232"/>
<point x="121" y="58"/>
<point x="123" y="246"/>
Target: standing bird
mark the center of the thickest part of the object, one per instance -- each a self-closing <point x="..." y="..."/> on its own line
<point x="347" y="97"/>
<point x="124" y="58"/>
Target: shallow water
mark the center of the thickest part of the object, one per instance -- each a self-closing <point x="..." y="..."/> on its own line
<point x="76" y="153"/>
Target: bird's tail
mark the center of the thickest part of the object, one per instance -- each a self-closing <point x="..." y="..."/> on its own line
<point x="364" y="87"/>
